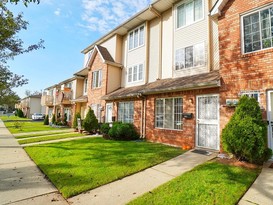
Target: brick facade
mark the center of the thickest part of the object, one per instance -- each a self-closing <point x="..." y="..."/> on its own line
<point x="187" y="135"/>
<point x="95" y="94"/>
<point x="239" y="71"/>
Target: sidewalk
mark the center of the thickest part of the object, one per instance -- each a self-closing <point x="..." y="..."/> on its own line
<point x="21" y="182"/>
<point x="44" y="132"/>
<point x="129" y="188"/>
<point x="261" y="192"/>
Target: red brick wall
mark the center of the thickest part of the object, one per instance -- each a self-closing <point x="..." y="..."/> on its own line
<point x="240" y="71"/>
<point x="175" y="137"/>
<point x="95" y="94"/>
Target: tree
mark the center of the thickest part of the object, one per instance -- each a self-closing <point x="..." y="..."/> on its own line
<point x="245" y="134"/>
<point x="12" y="46"/>
<point x="90" y="123"/>
<point x="25" y="2"/>
<point x="46" y="120"/>
<point x="30" y="93"/>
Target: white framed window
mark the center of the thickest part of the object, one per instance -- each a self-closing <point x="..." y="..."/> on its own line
<point x="135" y="73"/>
<point x="191" y="56"/>
<point x="257" y="30"/>
<point x="189" y="12"/>
<point x="126" y="112"/>
<point x="252" y="94"/>
<point x="85" y="85"/>
<point x="168" y="113"/>
<point x="96" y="79"/>
<point x="136" y="38"/>
<point x="97" y="110"/>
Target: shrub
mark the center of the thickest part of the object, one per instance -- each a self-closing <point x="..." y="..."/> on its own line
<point x="53" y="120"/>
<point x="75" y="120"/>
<point x="123" y="131"/>
<point x="20" y="113"/>
<point x="104" y="128"/>
<point x="18" y="125"/>
<point x="46" y="120"/>
<point x="64" y="122"/>
<point x="245" y="134"/>
<point x="90" y="123"/>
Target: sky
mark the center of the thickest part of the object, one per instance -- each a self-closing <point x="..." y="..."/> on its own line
<point x="67" y="27"/>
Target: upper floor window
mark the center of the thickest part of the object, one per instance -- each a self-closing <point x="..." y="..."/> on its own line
<point x="192" y="56"/>
<point x="168" y="113"/>
<point x="68" y="85"/>
<point x="136" y="38"/>
<point x="96" y="79"/>
<point x="135" y="73"/>
<point x="189" y="12"/>
<point x="85" y="85"/>
<point x="257" y="30"/>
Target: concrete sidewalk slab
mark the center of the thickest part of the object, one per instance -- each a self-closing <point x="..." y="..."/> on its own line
<point x="53" y="199"/>
<point x="20" y="178"/>
<point x="43" y="132"/>
<point x="261" y="192"/>
<point x="129" y="188"/>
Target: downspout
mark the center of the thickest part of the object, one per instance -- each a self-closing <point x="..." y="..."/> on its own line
<point x="147" y="52"/>
<point x="144" y="117"/>
<point x="209" y="38"/>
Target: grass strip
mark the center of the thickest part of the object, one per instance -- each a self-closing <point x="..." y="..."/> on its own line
<point x="42" y="134"/>
<point x="209" y="183"/>
<point x="84" y="164"/>
<point x="23" y="127"/>
<point x="47" y="138"/>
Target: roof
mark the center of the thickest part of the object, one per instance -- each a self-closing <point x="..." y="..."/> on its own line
<point x="150" y="12"/>
<point x="217" y="8"/>
<point x="104" y="54"/>
<point x="206" y="80"/>
<point x="82" y="98"/>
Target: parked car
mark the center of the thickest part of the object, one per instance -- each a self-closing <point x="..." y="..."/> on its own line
<point x="38" y="116"/>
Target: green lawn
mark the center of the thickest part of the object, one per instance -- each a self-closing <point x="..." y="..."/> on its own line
<point x="209" y="183"/>
<point x="43" y="134"/>
<point x="80" y="165"/>
<point x="28" y="127"/>
<point x="50" y="137"/>
<point x="12" y="117"/>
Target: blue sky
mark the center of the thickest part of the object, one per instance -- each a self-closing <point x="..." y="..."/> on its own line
<point x="67" y="27"/>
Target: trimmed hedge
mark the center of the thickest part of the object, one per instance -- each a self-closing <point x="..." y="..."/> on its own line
<point x="245" y="136"/>
<point x="123" y="131"/>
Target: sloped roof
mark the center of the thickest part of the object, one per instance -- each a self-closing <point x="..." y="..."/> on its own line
<point x="206" y="80"/>
<point x="217" y="8"/>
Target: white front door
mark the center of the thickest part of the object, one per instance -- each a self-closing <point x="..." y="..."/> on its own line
<point x="270" y="118"/>
<point x="109" y="112"/>
<point x="207" y="122"/>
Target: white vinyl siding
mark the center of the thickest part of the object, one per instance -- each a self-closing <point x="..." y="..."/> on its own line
<point x="135" y="73"/>
<point x="257" y="30"/>
<point x="189" y="12"/>
<point x="126" y="112"/>
<point x="96" y="79"/>
<point x="192" y="56"/>
<point x="136" y="38"/>
<point x="168" y="113"/>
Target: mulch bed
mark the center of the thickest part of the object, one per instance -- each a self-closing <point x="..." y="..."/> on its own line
<point x="271" y="166"/>
<point x="237" y="163"/>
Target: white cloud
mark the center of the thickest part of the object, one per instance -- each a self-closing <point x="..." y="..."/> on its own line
<point x="104" y="15"/>
<point x="57" y="12"/>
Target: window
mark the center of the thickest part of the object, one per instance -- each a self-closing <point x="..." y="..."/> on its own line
<point x="97" y="111"/>
<point x="252" y="94"/>
<point x="192" y="56"/>
<point x="68" y="85"/>
<point x="96" y="79"/>
<point x="85" y="85"/>
<point x="135" y="73"/>
<point x="136" y="38"/>
<point x="126" y="112"/>
<point x="257" y="30"/>
<point x="168" y="113"/>
<point x="189" y="12"/>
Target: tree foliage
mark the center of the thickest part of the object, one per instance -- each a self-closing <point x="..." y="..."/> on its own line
<point x="25" y="2"/>
<point x="245" y="134"/>
<point x="90" y="123"/>
<point x="11" y="46"/>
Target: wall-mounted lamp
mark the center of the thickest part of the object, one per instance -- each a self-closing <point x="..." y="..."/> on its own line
<point x="191" y="100"/>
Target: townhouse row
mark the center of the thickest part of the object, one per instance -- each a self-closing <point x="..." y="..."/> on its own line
<point x="176" y="70"/>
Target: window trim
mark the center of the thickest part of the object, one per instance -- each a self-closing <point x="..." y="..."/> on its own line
<point x="99" y="71"/>
<point x="133" y="31"/>
<point x="85" y="86"/>
<point x="242" y="28"/>
<point x="132" y="75"/>
<point x="251" y="92"/>
<point x="175" y="13"/>
<point x="164" y="128"/>
<point x="194" y="57"/>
